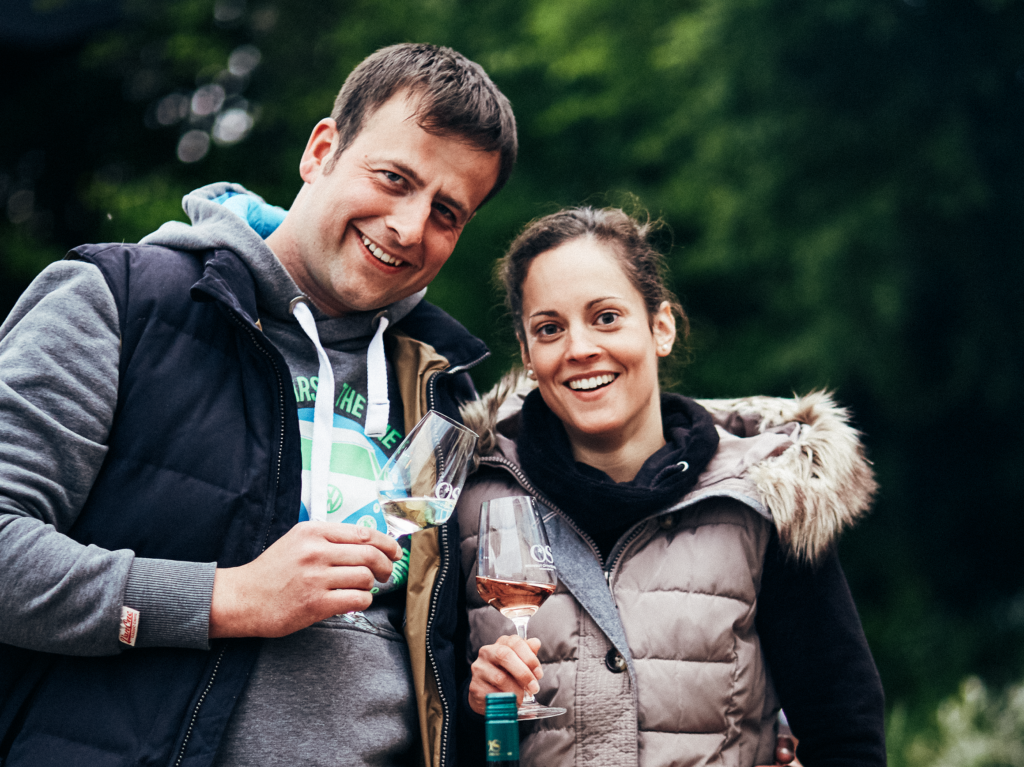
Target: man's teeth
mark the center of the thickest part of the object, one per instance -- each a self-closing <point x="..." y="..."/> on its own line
<point x="380" y="253"/>
<point x="591" y="383"/>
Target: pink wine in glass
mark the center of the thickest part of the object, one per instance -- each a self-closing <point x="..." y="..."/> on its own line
<point x="513" y="599"/>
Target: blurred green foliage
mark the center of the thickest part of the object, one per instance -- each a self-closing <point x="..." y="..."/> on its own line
<point x="842" y="183"/>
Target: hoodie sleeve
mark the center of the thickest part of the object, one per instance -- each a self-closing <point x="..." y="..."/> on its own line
<point x="59" y="354"/>
<point x="820" y="661"/>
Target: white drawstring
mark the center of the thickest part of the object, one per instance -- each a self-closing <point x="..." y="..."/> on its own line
<point x="378" y="406"/>
<point x="323" y="416"/>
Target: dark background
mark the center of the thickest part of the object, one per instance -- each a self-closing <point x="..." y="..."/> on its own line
<point x="842" y="183"/>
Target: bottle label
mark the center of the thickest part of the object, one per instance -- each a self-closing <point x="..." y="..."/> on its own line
<point x="502" y="741"/>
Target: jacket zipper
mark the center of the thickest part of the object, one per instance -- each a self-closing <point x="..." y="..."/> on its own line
<point x="277" y="482"/>
<point x="439" y="581"/>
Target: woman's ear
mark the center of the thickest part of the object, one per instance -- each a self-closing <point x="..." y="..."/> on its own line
<point x="663" y="328"/>
<point x="525" y="355"/>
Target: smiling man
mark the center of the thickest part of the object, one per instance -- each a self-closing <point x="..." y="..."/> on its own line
<point x="173" y="410"/>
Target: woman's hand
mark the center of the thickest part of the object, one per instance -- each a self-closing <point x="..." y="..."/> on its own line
<point x="508" y="665"/>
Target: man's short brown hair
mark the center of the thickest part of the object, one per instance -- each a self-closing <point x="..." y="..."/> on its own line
<point x="455" y="98"/>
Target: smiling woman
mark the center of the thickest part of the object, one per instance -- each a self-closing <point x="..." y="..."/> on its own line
<point x="699" y="587"/>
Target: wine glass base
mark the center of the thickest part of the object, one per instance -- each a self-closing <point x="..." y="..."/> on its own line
<point x="537" y="711"/>
<point x="356" y="618"/>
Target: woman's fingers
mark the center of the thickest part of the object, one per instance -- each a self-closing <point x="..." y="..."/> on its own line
<point x="508" y="665"/>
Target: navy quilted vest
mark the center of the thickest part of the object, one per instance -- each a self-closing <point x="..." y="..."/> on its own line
<point x="203" y="465"/>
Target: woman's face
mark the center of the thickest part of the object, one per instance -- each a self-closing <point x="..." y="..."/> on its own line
<point x="592" y="344"/>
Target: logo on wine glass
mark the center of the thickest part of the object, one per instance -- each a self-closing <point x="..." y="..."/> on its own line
<point x="542" y="554"/>
<point x="445" y="492"/>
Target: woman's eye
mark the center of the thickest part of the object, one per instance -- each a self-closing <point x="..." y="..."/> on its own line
<point x="606" y="318"/>
<point x="547" y="330"/>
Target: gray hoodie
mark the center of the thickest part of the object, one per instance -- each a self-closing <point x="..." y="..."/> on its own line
<point x="59" y="350"/>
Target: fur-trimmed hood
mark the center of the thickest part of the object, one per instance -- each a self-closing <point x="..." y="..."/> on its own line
<point x="797" y="461"/>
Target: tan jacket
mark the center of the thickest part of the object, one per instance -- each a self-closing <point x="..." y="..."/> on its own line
<point x="661" y="664"/>
<point x="415" y="364"/>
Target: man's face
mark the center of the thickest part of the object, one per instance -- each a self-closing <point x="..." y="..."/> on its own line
<point x="380" y="224"/>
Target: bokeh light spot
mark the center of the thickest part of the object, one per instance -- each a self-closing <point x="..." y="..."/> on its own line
<point x="243" y="60"/>
<point x="232" y="126"/>
<point x="208" y="99"/>
<point x="193" y="146"/>
<point x="172" y="109"/>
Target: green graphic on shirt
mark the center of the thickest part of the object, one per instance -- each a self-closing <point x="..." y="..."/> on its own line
<point x="334" y="499"/>
<point x="348" y="403"/>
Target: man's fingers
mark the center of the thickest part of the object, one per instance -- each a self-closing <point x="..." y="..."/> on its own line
<point x="353" y="578"/>
<point x="345" y="533"/>
<point x="340" y="546"/>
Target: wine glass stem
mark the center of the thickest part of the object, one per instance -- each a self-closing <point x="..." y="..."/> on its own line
<point x="528" y="699"/>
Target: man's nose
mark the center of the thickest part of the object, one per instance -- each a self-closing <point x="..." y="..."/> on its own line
<point x="409" y="219"/>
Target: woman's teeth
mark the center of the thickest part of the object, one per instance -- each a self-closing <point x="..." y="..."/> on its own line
<point x="591" y="383"/>
<point x="380" y="254"/>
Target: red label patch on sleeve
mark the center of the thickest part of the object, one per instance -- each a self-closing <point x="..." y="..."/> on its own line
<point x="129" y="625"/>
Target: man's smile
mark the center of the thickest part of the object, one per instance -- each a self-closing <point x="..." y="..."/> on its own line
<point x="379" y="253"/>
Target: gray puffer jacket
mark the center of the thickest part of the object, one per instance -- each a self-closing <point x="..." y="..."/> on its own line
<point x="654" y="652"/>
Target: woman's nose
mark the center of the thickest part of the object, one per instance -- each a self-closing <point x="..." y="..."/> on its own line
<point x="581" y="345"/>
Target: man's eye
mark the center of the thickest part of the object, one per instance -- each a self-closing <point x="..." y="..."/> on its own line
<point x="393" y="177"/>
<point x="446" y="213"/>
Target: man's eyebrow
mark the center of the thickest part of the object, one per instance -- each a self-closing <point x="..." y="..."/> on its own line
<point x="451" y="202"/>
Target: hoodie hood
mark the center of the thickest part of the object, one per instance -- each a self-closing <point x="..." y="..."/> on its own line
<point x="796" y="461"/>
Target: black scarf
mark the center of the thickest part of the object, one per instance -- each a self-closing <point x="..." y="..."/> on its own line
<point x="603" y="508"/>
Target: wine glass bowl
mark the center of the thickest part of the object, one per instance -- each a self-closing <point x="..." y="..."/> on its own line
<point x="515" y="571"/>
<point x="421" y="482"/>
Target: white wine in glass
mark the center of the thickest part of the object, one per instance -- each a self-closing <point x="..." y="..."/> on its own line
<point x="515" y="571"/>
<point x="420" y="484"/>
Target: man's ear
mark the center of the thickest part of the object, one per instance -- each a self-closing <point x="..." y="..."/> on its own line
<point x="319" y="150"/>
<point x="663" y="328"/>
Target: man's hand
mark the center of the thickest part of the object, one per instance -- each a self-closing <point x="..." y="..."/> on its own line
<point x="508" y="665"/>
<point x="317" y="569"/>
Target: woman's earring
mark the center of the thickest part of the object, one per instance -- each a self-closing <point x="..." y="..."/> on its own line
<point x="530" y="374"/>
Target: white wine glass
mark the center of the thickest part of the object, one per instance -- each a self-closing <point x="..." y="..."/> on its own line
<point x="421" y="482"/>
<point x="515" y="571"/>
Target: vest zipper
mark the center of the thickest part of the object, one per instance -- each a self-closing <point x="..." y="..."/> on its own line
<point x="280" y="405"/>
<point x="277" y="481"/>
<point x="625" y="545"/>
<point x="199" y="704"/>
